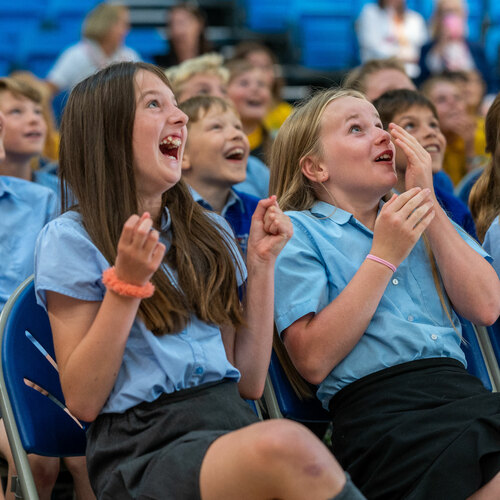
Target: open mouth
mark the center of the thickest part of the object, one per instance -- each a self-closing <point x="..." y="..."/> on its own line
<point x="169" y="146"/>
<point x="432" y="148"/>
<point x="236" y="154"/>
<point x="33" y="135"/>
<point x="385" y="156"/>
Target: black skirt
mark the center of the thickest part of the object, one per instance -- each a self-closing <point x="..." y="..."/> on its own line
<point x="421" y="430"/>
<point x="155" y="450"/>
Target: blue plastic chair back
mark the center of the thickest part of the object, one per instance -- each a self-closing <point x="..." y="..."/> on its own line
<point x="476" y="364"/>
<point x="45" y="427"/>
<point x="290" y="405"/>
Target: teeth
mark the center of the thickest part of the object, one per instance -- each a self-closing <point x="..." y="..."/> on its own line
<point x="432" y="149"/>
<point x="384" y="157"/>
<point x="171" y="141"/>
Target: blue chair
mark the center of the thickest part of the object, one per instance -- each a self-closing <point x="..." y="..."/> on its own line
<point x="281" y="401"/>
<point x="35" y="416"/>
<point x="463" y="188"/>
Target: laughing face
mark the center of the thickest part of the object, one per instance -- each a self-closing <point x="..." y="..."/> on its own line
<point x="217" y="150"/>
<point x="357" y="153"/>
<point x="159" y="136"/>
<point x="421" y="123"/>
<point x="251" y="95"/>
<point x="25" y="127"/>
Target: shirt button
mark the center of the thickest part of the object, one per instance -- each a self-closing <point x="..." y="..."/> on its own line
<point x="395" y="281"/>
<point x="199" y="370"/>
<point x="434" y="336"/>
<point x="410" y="318"/>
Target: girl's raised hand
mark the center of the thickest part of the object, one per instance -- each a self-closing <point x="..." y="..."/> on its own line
<point x="270" y="230"/>
<point x="139" y="251"/>
<point x="400" y="223"/>
<point x="419" y="167"/>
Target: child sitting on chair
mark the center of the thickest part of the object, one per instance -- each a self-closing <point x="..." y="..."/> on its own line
<point x="418" y="116"/>
<point x="26" y="207"/>
<point x="215" y="160"/>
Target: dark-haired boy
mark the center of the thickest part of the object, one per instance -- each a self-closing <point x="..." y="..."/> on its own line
<point x="418" y="116"/>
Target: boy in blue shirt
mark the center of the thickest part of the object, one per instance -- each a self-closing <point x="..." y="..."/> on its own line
<point x="418" y="116"/>
<point x="215" y="160"/>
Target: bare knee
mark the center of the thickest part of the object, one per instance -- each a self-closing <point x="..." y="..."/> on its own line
<point x="286" y="441"/>
<point x="45" y="471"/>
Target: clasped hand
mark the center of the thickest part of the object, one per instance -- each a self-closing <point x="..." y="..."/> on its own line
<point x="269" y="232"/>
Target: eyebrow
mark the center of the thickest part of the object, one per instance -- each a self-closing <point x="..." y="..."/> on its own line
<point x="147" y="93"/>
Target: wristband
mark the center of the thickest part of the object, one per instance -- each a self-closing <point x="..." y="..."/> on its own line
<point x="392" y="267"/>
<point x="112" y="282"/>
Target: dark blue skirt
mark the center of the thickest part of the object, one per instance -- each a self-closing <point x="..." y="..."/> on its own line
<point x="154" y="450"/>
<point x="423" y="430"/>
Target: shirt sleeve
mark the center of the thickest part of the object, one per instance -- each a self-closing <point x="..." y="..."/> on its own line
<point x="301" y="281"/>
<point x="492" y="244"/>
<point x="67" y="262"/>
<point x="228" y="235"/>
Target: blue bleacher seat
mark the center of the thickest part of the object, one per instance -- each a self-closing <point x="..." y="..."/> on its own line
<point x="147" y="42"/>
<point x="493" y="11"/>
<point x="327" y="41"/>
<point x="267" y="17"/>
<point x="492" y="44"/>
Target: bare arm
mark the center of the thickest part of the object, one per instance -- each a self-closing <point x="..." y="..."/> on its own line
<point x="317" y="343"/>
<point x="90" y="337"/>
<point x="470" y="281"/>
<point x="2" y="133"/>
<point x="251" y="344"/>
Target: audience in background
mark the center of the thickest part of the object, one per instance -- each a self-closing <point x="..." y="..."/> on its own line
<point x="186" y="38"/>
<point x="449" y="48"/>
<point x="202" y="75"/>
<point x="103" y="34"/>
<point x="205" y="75"/>
<point x="261" y="56"/>
<point x="377" y="76"/>
<point x="25" y="132"/>
<point x="249" y="90"/>
<point x="389" y="28"/>
<point x="465" y="150"/>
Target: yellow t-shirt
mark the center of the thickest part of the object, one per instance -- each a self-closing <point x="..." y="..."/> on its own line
<point x="455" y="159"/>
<point x="275" y="118"/>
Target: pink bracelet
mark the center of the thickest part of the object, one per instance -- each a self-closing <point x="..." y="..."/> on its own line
<point x="392" y="267"/>
<point x="112" y="282"/>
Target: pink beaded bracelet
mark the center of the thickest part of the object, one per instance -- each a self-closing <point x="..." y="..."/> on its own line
<point x="112" y="282"/>
<point x="392" y="267"/>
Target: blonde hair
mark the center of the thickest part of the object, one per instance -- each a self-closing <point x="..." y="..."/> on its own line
<point x="207" y="64"/>
<point x="101" y="19"/>
<point x="298" y="138"/>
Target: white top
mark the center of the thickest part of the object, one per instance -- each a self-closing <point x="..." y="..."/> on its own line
<point x="380" y="37"/>
<point x="82" y="60"/>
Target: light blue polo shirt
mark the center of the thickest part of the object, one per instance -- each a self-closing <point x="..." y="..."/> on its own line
<point x="67" y="262"/>
<point x="25" y="207"/>
<point x="327" y="248"/>
<point x="491" y="243"/>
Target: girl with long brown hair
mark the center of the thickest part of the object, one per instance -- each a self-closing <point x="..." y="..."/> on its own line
<point x="157" y="349"/>
<point x="359" y="312"/>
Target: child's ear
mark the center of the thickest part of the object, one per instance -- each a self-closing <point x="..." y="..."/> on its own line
<point x="186" y="162"/>
<point x="313" y="169"/>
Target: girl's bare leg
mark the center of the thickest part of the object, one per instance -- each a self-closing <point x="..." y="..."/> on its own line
<point x="271" y="459"/>
<point x="489" y="491"/>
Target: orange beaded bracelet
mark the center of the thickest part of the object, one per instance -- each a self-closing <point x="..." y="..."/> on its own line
<point x="112" y="282"/>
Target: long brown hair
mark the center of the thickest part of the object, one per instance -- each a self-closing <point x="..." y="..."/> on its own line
<point x="484" y="199"/>
<point x="96" y="169"/>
